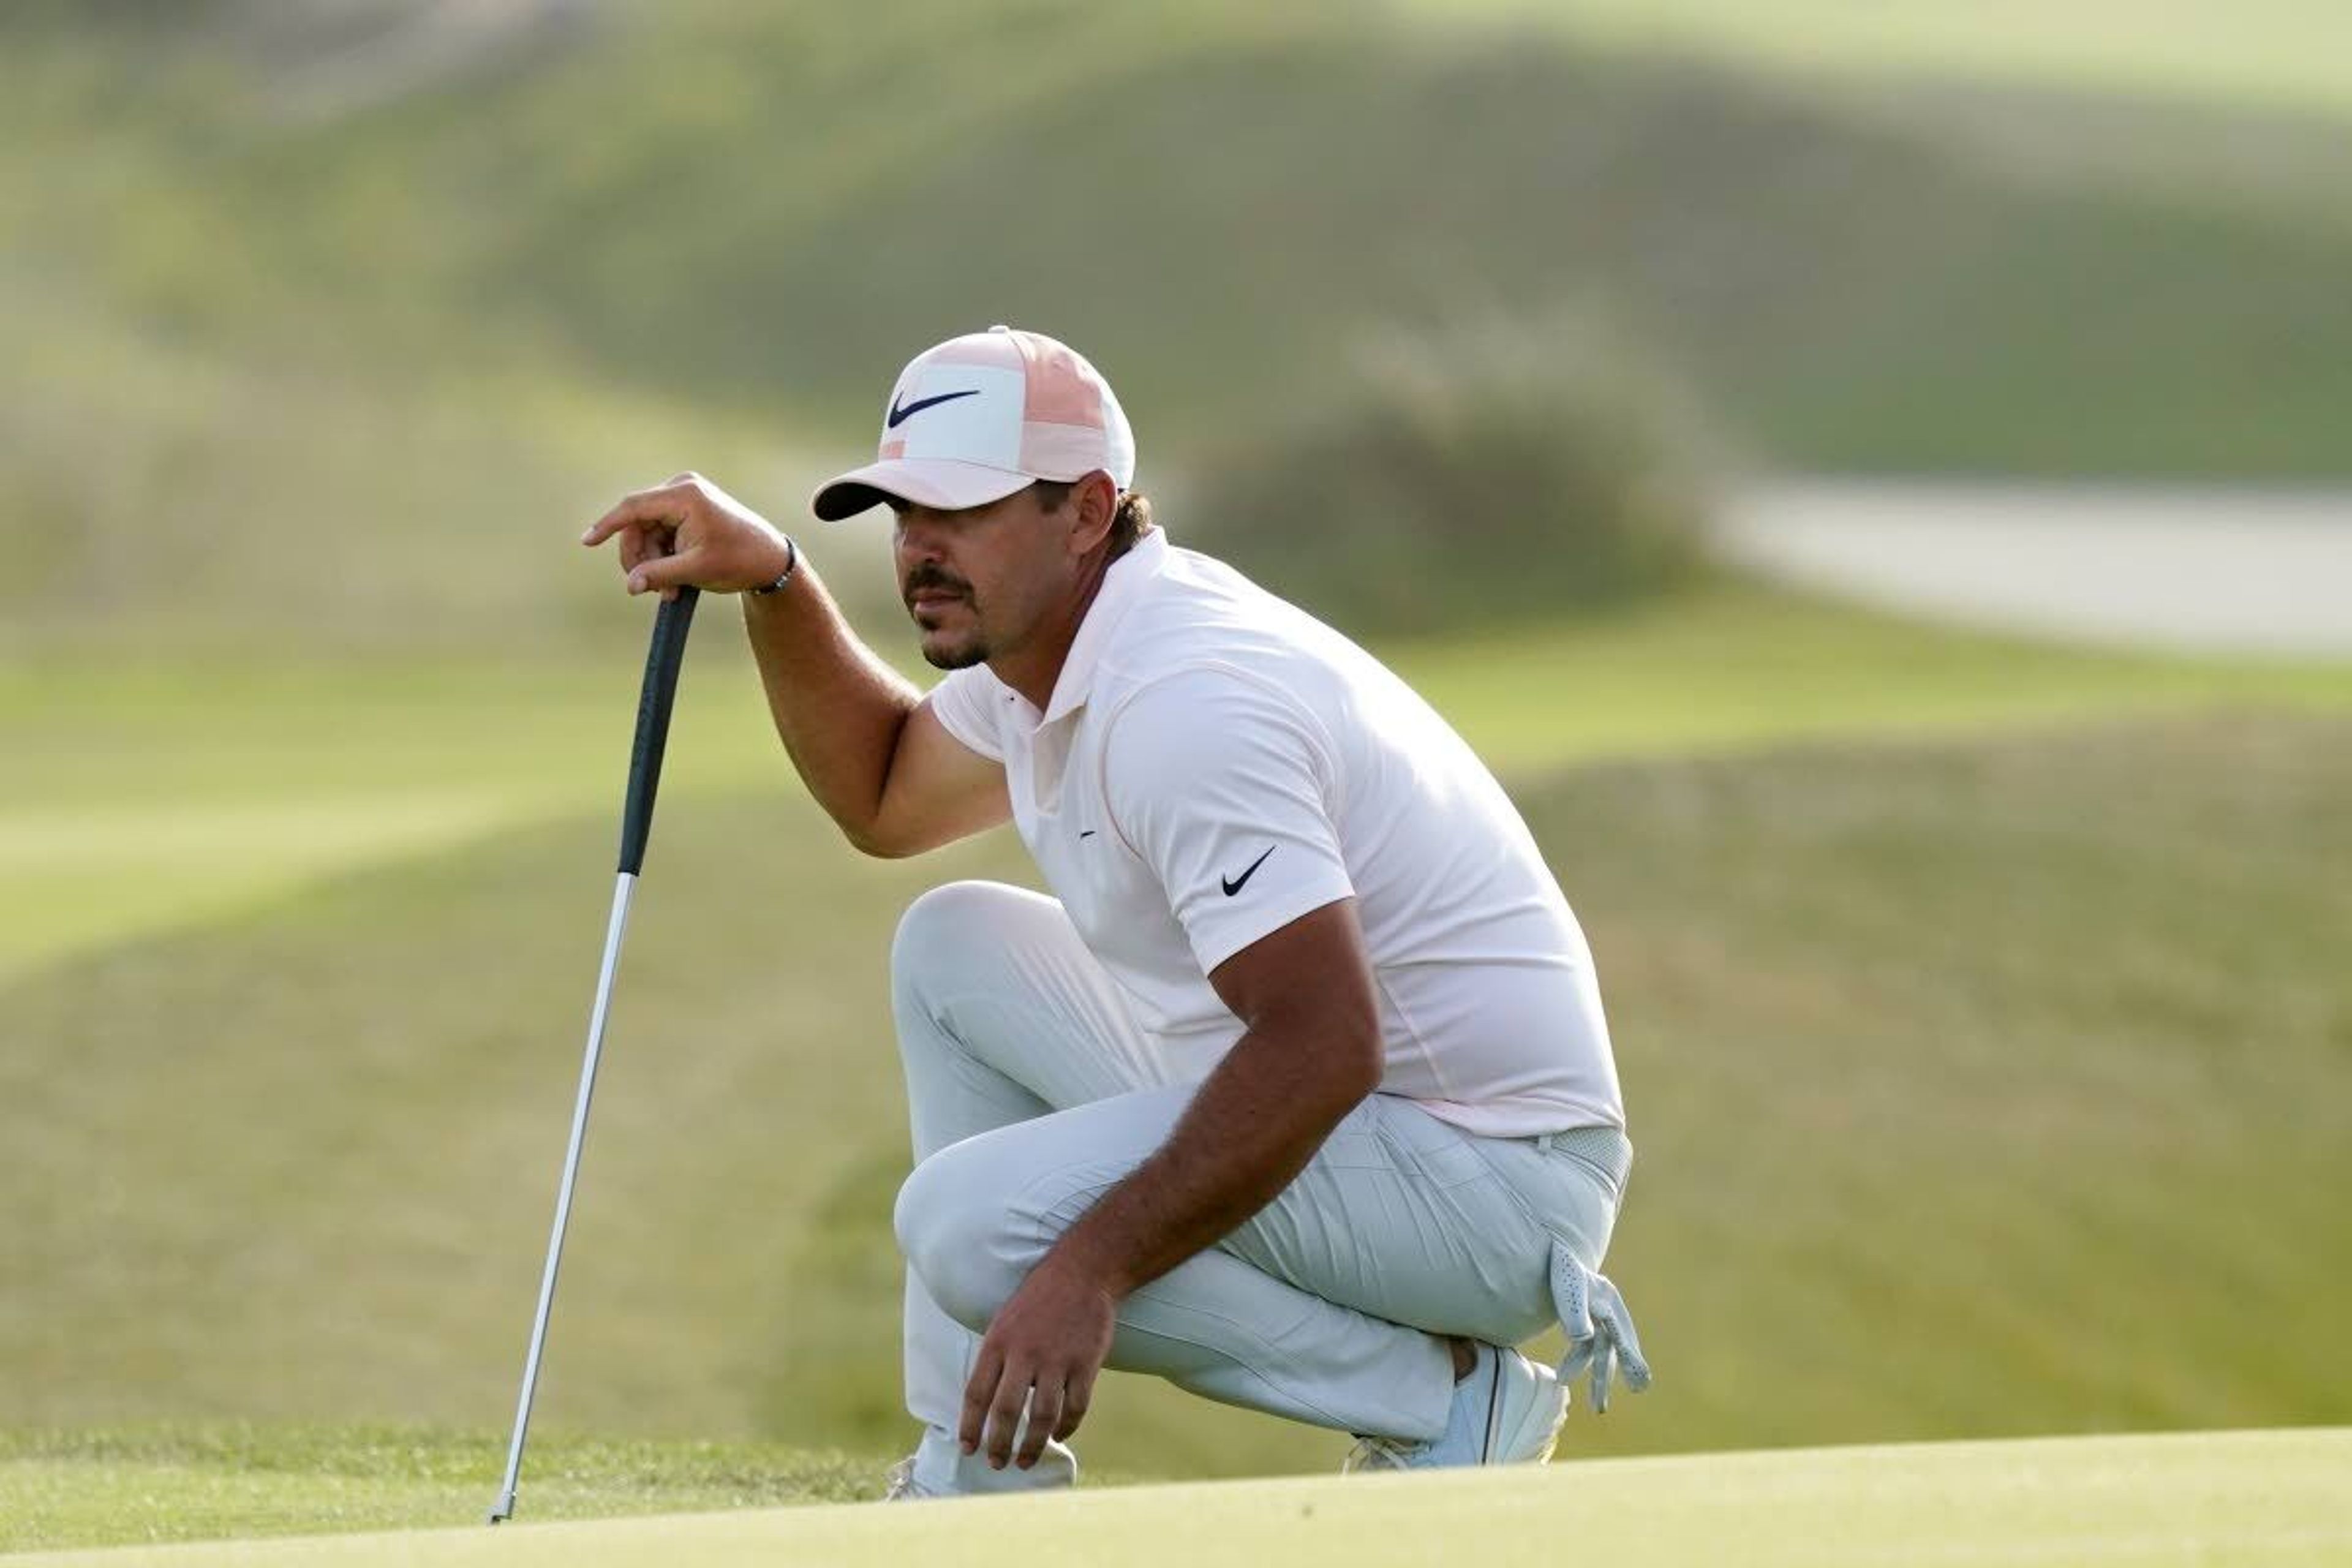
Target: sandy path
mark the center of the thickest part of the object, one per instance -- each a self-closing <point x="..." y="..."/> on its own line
<point x="2250" y="570"/>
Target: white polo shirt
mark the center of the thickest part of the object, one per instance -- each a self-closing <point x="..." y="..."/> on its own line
<point x="1214" y="763"/>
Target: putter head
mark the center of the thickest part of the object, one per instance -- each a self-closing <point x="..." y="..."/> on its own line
<point x="504" y="1510"/>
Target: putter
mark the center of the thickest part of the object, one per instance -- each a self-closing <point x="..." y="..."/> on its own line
<point x="670" y="625"/>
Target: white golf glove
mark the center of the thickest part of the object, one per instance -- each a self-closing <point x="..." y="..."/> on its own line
<point x="1600" y="1330"/>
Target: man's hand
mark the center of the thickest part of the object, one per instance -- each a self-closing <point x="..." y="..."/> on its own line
<point x="1052" y="1337"/>
<point x="690" y="532"/>
<point x="1310" y="1053"/>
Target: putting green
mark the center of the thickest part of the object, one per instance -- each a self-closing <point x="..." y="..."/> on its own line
<point x="2270" y="1497"/>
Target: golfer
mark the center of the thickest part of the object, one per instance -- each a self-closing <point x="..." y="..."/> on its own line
<point x="1298" y="1091"/>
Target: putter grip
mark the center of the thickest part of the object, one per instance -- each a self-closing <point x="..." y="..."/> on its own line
<point x="662" y="661"/>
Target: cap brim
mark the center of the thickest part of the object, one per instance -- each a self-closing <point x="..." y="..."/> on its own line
<point x="942" y="482"/>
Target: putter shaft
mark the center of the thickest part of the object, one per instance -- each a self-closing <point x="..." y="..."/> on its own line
<point x="623" y="888"/>
<point x="662" y="660"/>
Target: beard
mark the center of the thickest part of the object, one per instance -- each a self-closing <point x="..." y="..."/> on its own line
<point x="963" y="657"/>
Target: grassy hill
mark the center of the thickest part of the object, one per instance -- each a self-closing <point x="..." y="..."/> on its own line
<point x="1975" y="1043"/>
<point x="144" y="794"/>
<point x="2221" y="1499"/>
<point x="1978" y="1001"/>
<point x="2288" y="53"/>
<point x="301" y="357"/>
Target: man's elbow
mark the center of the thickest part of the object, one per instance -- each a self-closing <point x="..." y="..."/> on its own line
<point x="1333" y="1053"/>
<point x="873" y="839"/>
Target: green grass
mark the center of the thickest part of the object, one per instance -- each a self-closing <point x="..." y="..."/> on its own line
<point x="293" y="385"/>
<point x="1738" y="669"/>
<point x="1945" y="1062"/>
<point x="1871" y="295"/>
<point x="2214" y="1500"/>
<point x="139" y="797"/>
<point x="143" y="796"/>
<point x="1975" y="1042"/>
<point x="2287" y="53"/>
<point x="1973" y="995"/>
<point x="137" y="1486"/>
<point x="327" y="379"/>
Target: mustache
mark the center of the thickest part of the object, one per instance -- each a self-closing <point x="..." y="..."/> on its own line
<point x="931" y="575"/>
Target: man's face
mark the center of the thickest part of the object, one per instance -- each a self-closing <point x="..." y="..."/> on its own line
<point x="977" y="581"/>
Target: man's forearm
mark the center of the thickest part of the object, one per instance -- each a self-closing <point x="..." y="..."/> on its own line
<point x="837" y="707"/>
<point x="1257" y="1121"/>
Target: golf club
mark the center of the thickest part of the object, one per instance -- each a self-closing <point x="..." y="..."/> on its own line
<point x="653" y="701"/>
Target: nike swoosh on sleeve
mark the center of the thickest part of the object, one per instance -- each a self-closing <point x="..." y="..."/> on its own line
<point x="1233" y="885"/>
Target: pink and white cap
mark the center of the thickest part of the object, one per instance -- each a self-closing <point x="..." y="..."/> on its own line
<point x="982" y="415"/>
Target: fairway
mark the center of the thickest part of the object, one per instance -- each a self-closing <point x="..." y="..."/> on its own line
<point x="2252" y="1498"/>
<point x="1830" y="968"/>
<point x="142" y="797"/>
<point x="1980" y="996"/>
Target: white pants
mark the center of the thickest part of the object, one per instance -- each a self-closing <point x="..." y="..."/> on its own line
<point x="1032" y="1090"/>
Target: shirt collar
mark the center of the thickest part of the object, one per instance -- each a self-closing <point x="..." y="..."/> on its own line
<point x="1124" y="581"/>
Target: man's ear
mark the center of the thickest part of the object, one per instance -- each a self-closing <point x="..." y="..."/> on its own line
<point x="1094" y="504"/>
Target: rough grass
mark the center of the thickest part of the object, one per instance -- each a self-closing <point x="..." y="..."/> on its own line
<point x="1277" y="186"/>
<point x="134" y="1486"/>
<point x="2207" y="1499"/>
<point x="1979" y="1043"/>
<point x="324" y="375"/>
<point x="1496" y="473"/>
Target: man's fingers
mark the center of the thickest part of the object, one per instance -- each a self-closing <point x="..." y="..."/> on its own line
<point x="1044" y="1420"/>
<point x="642" y="509"/>
<point x="988" y="1367"/>
<point x="664" y="508"/>
<point x="1005" y="1413"/>
<point x="1075" y="1399"/>
<point x="640" y="544"/>
<point x="636" y="545"/>
<point x="665" y="573"/>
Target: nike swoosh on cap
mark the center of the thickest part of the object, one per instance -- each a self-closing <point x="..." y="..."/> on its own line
<point x="899" y="415"/>
<point x="1233" y="885"/>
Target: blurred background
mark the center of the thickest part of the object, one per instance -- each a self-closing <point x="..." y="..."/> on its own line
<point x="1872" y="478"/>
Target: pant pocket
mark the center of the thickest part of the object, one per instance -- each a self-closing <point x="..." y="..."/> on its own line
<point x="1563" y="1195"/>
<point x="1357" y="1143"/>
<point x="1430" y="1151"/>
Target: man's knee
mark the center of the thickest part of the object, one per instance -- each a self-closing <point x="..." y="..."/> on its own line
<point x="946" y="928"/>
<point x="954" y="1228"/>
<point x="952" y="919"/>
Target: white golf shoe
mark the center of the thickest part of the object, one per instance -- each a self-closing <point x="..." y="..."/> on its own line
<point x="937" y="1469"/>
<point x="899" y="1485"/>
<point x="1506" y="1412"/>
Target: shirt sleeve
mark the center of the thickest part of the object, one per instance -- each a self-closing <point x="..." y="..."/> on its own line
<point x="1226" y="788"/>
<point x="967" y="705"/>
